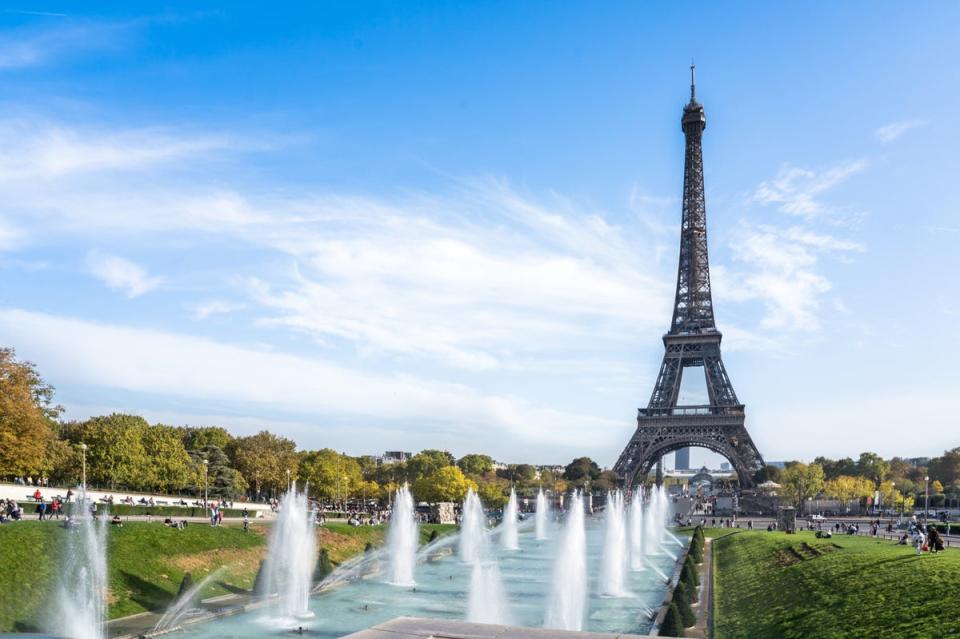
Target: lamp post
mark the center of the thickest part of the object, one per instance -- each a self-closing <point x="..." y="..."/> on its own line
<point x="893" y="493"/>
<point x="926" y="501"/>
<point x="83" y="457"/>
<point x="206" y="467"/>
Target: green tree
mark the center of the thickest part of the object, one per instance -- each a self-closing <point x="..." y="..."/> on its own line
<point x="427" y="462"/>
<point x="115" y="452"/>
<point x="266" y="461"/>
<point x="581" y="470"/>
<point x="168" y="464"/>
<point x="946" y="468"/>
<point x="445" y="484"/>
<point x="27" y="416"/>
<point x="222" y="480"/>
<point x="873" y="467"/>
<point x="195" y="437"/>
<point x="475" y="464"/>
<point x="330" y="475"/>
<point x="767" y="473"/>
<point x="800" y="482"/>
<point x="493" y="491"/>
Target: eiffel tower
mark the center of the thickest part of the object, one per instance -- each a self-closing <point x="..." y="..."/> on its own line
<point x="692" y="341"/>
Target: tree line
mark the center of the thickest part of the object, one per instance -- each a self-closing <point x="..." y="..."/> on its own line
<point x="126" y="452"/>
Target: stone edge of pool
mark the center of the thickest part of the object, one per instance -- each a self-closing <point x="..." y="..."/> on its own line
<point x="427" y="628"/>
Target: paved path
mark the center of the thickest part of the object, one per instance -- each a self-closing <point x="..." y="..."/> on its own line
<point x="705" y="593"/>
<point x="25" y="493"/>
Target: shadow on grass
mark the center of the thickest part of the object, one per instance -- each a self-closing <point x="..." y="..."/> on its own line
<point x="148" y="595"/>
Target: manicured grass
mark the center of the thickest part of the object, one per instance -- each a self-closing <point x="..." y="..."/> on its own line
<point x="777" y="586"/>
<point x="147" y="561"/>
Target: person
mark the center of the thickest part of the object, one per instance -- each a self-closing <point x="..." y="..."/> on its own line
<point x="37" y="497"/>
<point x="246" y="522"/>
<point x="69" y="495"/>
<point x="116" y="521"/>
<point x="919" y="540"/>
<point x="42" y="509"/>
<point x="55" y="507"/>
<point x="934" y="540"/>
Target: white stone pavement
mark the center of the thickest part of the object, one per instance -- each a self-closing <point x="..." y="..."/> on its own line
<point x="25" y="493"/>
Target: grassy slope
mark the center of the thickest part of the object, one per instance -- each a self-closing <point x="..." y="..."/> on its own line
<point x="147" y="562"/>
<point x="771" y="585"/>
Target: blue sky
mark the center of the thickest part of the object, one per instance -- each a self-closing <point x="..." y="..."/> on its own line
<point x="395" y="225"/>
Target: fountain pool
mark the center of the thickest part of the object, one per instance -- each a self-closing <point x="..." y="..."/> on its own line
<point x="443" y="586"/>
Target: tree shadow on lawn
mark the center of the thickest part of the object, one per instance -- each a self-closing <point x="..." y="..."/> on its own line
<point x="148" y="595"/>
<point x="234" y="589"/>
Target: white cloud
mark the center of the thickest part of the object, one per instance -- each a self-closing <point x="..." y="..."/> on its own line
<point x="194" y="369"/>
<point x="32" y="47"/>
<point x="796" y="191"/>
<point x="892" y="131"/>
<point x="216" y="307"/>
<point x="121" y="275"/>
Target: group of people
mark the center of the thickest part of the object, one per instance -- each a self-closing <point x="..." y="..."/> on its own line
<point x="924" y="540"/>
<point x="10" y="511"/>
<point x="30" y="481"/>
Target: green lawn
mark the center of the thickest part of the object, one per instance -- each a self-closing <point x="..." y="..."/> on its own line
<point x="147" y="561"/>
<point x="777" y="586"/>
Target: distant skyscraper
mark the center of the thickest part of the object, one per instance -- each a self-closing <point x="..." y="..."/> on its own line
<point x="682" y="459"/>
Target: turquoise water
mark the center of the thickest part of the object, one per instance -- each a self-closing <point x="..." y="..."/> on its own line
<point x="442" y="591"/>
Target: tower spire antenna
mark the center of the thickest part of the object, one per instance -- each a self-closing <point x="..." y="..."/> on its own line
<point x="693" y="81"/>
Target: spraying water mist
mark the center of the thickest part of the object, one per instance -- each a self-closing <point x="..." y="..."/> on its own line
<point x="651" y="527"/>
<point x="614" y="567"/>
<point x="473" y="529"/>
<point x="292" y="555"/>
<point x="402" y="539"/>
<point x="568" y="592"/>
<point x="635" y="531"/>
<point x="509" y="538"/>
<point x="542" y="515"/>
<point x="80" y="610"/>
<point x="488" y="601"/>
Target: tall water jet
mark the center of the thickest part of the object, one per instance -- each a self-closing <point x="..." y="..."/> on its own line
<point x="402" y="539"/>
<point x="292" y="556"/>
<point x="613" y="568"/>
<point x="568" y="591"/>
<point x="473" y="529"/>
<point x="509" y="538"/>
<point x="663" y="505"/>
<point x="542" y="516"/>
<point x="651" y="527"/>
<point x="488" y="600"/>
<point x="635" y="532"/>
<point x="80" y="610"/>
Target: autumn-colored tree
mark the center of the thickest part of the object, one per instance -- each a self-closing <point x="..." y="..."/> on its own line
<point x="445" y="484"/>
<point x="800" y="482"/>
<point x="330" y="475"/>
<point x="493" y="491"/>
<point x="266" y="461"/>
<point x="26" y="417"/>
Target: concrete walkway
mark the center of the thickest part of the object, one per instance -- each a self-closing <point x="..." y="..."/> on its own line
<point x="705" y="595"/>
<point x="17" y="492"/>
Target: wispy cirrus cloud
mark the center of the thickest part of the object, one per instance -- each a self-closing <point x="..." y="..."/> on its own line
<point x="893" y="130"/>
<point x="45" y="44"/>
<point x="122" y="275"/>
<point x="798" y="191"/>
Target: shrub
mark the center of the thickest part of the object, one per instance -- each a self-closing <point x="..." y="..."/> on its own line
<point x="681" y="597"/>
<point x="672" y="625"/>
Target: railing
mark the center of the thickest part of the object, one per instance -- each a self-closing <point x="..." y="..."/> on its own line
<point x="704" y="409"/>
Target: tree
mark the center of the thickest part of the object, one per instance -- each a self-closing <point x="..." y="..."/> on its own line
<point x="873" y="467"/>
<point x="835" y="468"/>
<point x="222" y="480"/>
<point x="266" y="461"/>
<point x="800" y="482"/>
<point x="581" y="470"/>
<point x="767" y="473"/>
<point x="168" y="464"/>
<point x="330" y="474"/>
<point x="936" y="487"/>
<point x="195" y="437"/>
<point x="115" y="452"/>
<point x="445" y="484"/>
<point x="427" y="462"/>
<point x="493" y="491"/>
<point x="608" y="480"/>
<point x="475" y="464"/>
<point x="26" y="417"/>
<point x="946" y="468"/>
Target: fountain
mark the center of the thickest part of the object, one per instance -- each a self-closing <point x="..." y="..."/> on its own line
<point x="488" y="601"/>
<point x="292" y="556"/>
<point x="568" y="591"/>
<point x="663" y="508"/>
<point x="402" y="539"/>
<point x="83" y="578"/>
<point x="473" y="529"/>
<point x="613" y="568"/>
<point x="635" y="532"/>
<point x="185" y="603"/>
<point x="651" y="527"/>
<point x="542" y="516"/>
<point x="509" y="538"/>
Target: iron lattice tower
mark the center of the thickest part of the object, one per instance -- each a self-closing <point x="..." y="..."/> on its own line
<point x="692" y="341"/>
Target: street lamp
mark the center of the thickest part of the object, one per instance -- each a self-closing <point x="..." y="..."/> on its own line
<point x="83" y="481"/>
<point x="926" y="490"/>
<point x="206" y="467"/>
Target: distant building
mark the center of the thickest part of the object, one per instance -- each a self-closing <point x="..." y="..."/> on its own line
<point x="499" y="465"/>
<point x="918" y="461"/>
<point x="724" y="465"/>
<point x="682" y="459"/>
<point x="778" y="464"/>
<point x="394" y="457"/>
